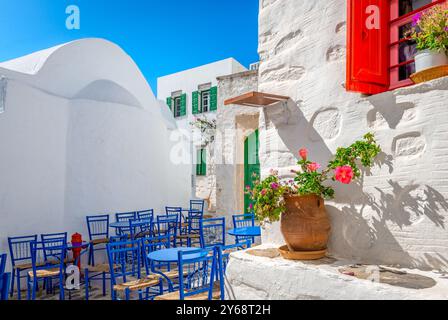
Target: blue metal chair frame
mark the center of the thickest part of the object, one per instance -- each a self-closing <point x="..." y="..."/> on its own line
<point x="98" y="227"/>
<point x="55" y="248"/>
<point x="20" y="252"/>
<point x="3" y="258"/>
<point x="123" y="217"/>
<point x="201" y="272"/>
<point x="48" y="237"/>
<point x="138" y="229"/>
<point x="125" y="261"/>
<point x="213" y="232"/>
<point x="241" y="221"/>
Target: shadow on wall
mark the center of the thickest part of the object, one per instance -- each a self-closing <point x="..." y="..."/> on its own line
<point x="364" y="231"/>
<point x="367" y="228"/>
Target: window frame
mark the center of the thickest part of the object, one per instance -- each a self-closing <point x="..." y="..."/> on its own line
<point x="201" y="108"/>
<point x="395" y="22"/>
<point x="177" y="108"/>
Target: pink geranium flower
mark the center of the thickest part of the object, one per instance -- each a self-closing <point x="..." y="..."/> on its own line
<point x="344" y="174"/>
<point x="303" y="153"/>
<point x="313" y="167"/>
<point x="263" y="192"/>
<point x="274" y="186"/>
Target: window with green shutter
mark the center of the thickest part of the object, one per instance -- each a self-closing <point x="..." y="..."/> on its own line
<point x="195" y="102"/>
<point x="201" y="166"/>
<point x="213" y="98"/>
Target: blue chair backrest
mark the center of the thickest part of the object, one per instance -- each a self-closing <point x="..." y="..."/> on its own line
<point x="213" y="232"/>
<point x="20" y="249"/>
<point x="244" y="220"/>
<point x="48" y="237"/>
<point x="155" y="243"/>
<point x="125" y="216"/>
<point x="138" y="228"/>
<point x="145" y="214"/>
<point x="168" y="223"/>
<point x="5" y="280"/>
<point x="48" y="254"/>
<point x="124" y="260"/>
<point x="173" y="210"/>
<point x="98" y="226"/>
<point x="200" y="270"/>
<point x="197" y="206"/>
<point x="3" y="258"/>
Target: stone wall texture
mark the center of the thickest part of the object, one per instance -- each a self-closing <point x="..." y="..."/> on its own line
<point x="398" y="212"/>
<point x="233" y="124"/>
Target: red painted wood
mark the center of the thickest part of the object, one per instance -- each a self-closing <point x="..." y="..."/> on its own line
<point x="367" y="49"/>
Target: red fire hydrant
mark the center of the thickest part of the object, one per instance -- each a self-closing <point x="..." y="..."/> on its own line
<point x="77" y="248"/>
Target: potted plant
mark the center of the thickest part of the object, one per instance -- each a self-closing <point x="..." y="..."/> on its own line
<point x="430" y="33"/>
<point x="299" y="203"/>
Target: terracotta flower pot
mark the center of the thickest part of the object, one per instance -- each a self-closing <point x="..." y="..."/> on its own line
<point x="305" y="225"/>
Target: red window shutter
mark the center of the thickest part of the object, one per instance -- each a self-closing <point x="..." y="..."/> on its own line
<point x="367" y="48"/>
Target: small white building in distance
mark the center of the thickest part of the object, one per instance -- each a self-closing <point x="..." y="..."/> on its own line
<point x="189" y="95"/>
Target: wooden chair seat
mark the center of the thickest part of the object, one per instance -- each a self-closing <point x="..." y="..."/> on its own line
<point x="99" y="241"/>
<point x="44" y="273"/>
<point x="24" y="266"/>
<point x="189" y="236"/>
<point x="137" y="284"/>
<point x="100" y="268"/>
<point x="169" y="274"/>
<point x="216" y="295"/>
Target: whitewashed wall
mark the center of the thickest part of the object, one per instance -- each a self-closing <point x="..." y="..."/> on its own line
<point x="188" y="82"/>
<point x="398" y="213"/>
<point x="82" y="134"/>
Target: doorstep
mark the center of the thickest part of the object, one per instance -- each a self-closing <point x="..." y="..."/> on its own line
<point x="261" y="274"/>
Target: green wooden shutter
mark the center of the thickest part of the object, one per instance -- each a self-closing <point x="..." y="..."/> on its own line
<point x="204" y="162"/>
<point x="201" y="166"/>
<point x="168" y="102"/>
<point x="183" y="105"/>
<point x="195" y="102"/>
<point x="213" y="98"/>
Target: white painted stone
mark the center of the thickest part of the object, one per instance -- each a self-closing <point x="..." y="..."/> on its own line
<point x="399" y="213"/>
<point x="258" y="278"/>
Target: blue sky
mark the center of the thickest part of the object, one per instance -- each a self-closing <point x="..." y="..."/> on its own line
<point x="162" y="36"/>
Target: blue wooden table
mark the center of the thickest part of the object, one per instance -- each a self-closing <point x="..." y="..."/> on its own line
<point x="171" y="255"/>
<point x="246" y="232"/>
<point x="162" y="259"/>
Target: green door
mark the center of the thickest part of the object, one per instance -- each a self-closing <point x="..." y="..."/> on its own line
<point x="251" y="165"/>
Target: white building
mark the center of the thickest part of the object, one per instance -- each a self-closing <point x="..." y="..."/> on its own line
<point x="81" y="133"/>
<point x="190" y="94"/>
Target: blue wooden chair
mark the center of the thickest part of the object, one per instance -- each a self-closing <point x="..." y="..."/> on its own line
<point x="201" y="279"/>
<point x="44" y="269"/>
<point x="3" y="258"/>
<point x="145" y="214"/>
<point x="158" y="270"/>
<point x="124" y="217"/>
<point x="125" y="264"/>
<point x="54" y="236"/>
<point x="4" y="278"/>
<point x="20" y="252"/>
<point x="213" y="232"/>
<point x="168" y="224"/>
<point x="197" y="206"/>
<point x="242" y="221"/>
<point x="98" y="227"/>
<point x="139" y="229"/>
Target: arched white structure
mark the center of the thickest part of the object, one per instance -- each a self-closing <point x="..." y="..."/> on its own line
<point x="82" y="133"/>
